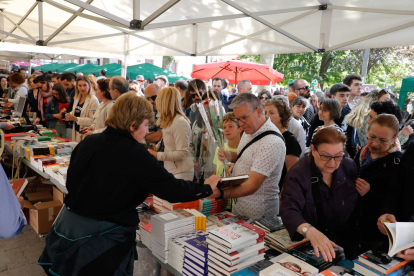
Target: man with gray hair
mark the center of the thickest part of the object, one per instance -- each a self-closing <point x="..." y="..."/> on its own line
<point x="244" y="86"/>
<point x="260" y="154"/>
<point x="117" y="87"/>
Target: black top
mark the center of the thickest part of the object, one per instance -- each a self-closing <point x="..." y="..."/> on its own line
<point x="110" y="174"/>
<point x="292" y="148"/>
<point x="348" y="130"/>
<point x="78" y="110"/>
<point x="33" y="103"/>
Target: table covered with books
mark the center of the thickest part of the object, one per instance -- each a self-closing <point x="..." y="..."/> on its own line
<point x="202" y="238"/>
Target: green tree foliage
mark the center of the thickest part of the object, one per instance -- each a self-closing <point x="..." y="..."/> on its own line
<point x="386" y="67"/>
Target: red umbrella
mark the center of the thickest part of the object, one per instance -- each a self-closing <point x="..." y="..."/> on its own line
<point x="237" y="70"/>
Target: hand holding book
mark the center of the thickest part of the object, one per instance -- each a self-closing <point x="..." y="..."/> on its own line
<point x="213" y="182"/>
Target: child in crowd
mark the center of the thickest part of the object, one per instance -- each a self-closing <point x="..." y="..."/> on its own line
<point x="233" y="133"/>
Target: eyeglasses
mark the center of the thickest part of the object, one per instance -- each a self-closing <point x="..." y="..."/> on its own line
<point x="263" y="98"/>
<point x="306" y="87"/>
<point x="193" y="96"/>
<point x="244" y="118"/>
<point x="328" y="157"/>
<point x="373" y="139"/>
<point x="151" y="98"/>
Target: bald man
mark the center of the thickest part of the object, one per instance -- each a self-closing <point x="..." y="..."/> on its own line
<point x="117" y="87"/>
<point x="155" y="134"/>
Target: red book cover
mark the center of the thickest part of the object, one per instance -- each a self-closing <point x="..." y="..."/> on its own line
<point x="147" y="227"/>
<point x="259" y="231"/>
<point x="18" y="185"/>
<point x="63" y="106"/>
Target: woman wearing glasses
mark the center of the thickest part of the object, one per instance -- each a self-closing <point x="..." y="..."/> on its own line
<point x="377" y="163"/>
<point x="263" y="96"/>
<point x="319" y="197"/>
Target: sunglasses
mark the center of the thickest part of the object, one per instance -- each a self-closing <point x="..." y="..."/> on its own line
<point x="151" y="98"/>
<point x="306" y="87"/>
<point x="193" y="96"/>
<point x="263" y="98"/>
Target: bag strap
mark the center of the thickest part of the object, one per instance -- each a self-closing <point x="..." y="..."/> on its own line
<point x="257" y="138"/>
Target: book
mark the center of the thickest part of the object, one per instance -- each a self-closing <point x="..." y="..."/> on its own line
<point x="281" y="240"/>
<point x="19" y="185"/>
<point x="290" y="266"/>
<point x="236" y="267"/>
<point x="236" y="218"/>
<point x="236" y="248"/>
<point x="195" y="258"/>
<point x="236" y="234"/>
<point x="180" y="205"/>
<point x="253" y="270"/>
<point x="227" y="182"/>
<point x="218" y="266"/>
<point x="366" y="270"/>
<point x="373" y="261"/>
<point x="270" y="224"/>
<point x="237" y="256"/>
<point x="400" y="236"/>
<point x="192" y="271"/>
<point x="198" y="244"/>
<point x="63" y="106"/>
<point x="307" y="254"/>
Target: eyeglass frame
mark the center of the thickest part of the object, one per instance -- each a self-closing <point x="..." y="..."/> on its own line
<point x="244" y="118"/>
<point x="378" y="140"/>
<point x="263" y="98"/>
<point x="308" y="87"/>
<point x="330" y="157"/>
<point x="151" y="98"/>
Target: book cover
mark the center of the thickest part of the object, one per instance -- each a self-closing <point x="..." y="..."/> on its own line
<point x="238" y="260"/>
<point x="289" y="266"/>
<point x="371" y="260"/>
<point x="236" y="255"/>
<point x="253" y="270"/>
<point x="63" y="106"/>
<point x="307" y="254"/>
<point x="236" y="234"/>
<point x="147" y="227"/>
<point x="18" y="185"/>
<point x="360" y="267"/>
<point x="198" y="245"/>
<point x="215" y="265"/>
<point x="228" y="182"/>
<point x="271" y="224"/>
<point x="236" y="248"/>
<point x="239" y="266"/>
<point x="282" y="238"/>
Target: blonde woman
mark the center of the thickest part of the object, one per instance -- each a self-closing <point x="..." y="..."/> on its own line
<point x="176" y="134"/>
<point x="94" y="83"/>
<point x="81" y="108"/>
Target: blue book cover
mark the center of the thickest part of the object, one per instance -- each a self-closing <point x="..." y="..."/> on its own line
<point x="199" y="245"/>
<point x="195" y="269"/>
<point x="193" y="262"/>
<point x="253" y="270"/>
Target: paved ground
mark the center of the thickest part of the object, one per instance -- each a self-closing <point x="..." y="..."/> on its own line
<point x="19" y="255"/>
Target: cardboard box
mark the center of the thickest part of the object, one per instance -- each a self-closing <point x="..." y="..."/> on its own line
<point x="58" y="194"/>
<point x="43" y="214"/>
<point x="40" y="197"/>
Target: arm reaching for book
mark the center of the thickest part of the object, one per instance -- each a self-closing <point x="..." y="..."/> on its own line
<point x="389" y="217"/>
<point x="321" y="244"/>
<point x="249" y="187"/>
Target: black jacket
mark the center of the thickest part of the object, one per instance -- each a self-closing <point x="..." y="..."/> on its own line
<point x="380" y="176"/>
<point x="350" y="132"/>
<point x="110" y="174"/>
<point x="401" y="203"/>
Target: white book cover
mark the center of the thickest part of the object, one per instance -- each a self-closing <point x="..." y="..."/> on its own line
<point x="289" y="266"/>
<point x="235" y="234"/>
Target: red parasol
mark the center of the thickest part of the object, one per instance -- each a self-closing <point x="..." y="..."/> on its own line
<point x="237" y="70"/>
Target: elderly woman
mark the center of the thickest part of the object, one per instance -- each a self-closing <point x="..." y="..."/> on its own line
<point x="81" y="108"/>
<point x="176" y="132"/>
<point x="95" y="235"/>
<point x="319" y="197"/>
<point x="378" y="163"/>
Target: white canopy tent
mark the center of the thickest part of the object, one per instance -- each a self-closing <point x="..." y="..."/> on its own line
<point x="207" y="27"/>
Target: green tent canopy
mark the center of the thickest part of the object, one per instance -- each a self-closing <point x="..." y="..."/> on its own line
<point x="66" y="66"/>
<point x="406" y="86"/>
<point x="151" y="71"/>
<point x="49" y="67"/>
<point x="112" y="69"/>
<point x="77" y="68"/>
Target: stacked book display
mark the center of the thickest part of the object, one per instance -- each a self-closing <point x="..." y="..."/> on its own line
<point x="195" y="257"/>
<point x="176" y="249"/>
<point x="270" y="224"/>
<point x="209" y="206"/>
<point x="163" y="206"/>
<point x="280" y="241"/>
<point x="234" y="247"/>
<point x="167" y="225"/>
<point x="378" y="263"/>
<point x="145" y="234"/>
<point x="144" y="219"/>
<point x="200" y="219"/>
<point x="288" y="265"/>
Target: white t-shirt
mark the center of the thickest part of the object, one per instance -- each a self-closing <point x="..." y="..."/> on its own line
<point x="266" y="157"/>
<point x="296" y="129"/>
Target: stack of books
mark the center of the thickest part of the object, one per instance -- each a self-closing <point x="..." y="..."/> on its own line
<point x="163" y="206"/>
<point x="234" y="247"/>
<point x="176" y="250"/>
<point x="280" y="241"/>
<point x="195" y="257"/>
<point x="217" y="218"/>
<point x="270" y="225"/>
<point x="200" y="219"/>
<point x="307" y="254"/>
<point x="167" y="225"/>
<point x="144" y="219"/>
<point x="146" y="235"/>
<point x="209" y="206"/>
<point x="377" y="263"/>
<point x="62" y="173"/>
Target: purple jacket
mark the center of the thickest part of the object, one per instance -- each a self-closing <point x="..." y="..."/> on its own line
<point x="338" y="201"/>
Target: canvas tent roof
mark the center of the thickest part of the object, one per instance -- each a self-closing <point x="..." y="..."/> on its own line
<point x="209" y="27"/>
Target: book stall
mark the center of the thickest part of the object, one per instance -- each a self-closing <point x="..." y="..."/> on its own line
<point x="39" y="164"/>
<point x="197" y="241"/>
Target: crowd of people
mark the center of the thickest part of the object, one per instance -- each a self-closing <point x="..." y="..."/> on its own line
<point x="331" y="164"/>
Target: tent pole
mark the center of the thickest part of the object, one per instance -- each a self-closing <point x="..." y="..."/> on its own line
<point x="235" y="80"/>
<point x="29" y="67"/>
<point x="364" y="68"/>
<point x="40" y="10"/>
<point x="126" y="56"/>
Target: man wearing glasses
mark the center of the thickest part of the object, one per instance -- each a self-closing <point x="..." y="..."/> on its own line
<point x="302" y="88"/>
<point x="155" y="134"/>
<point x="262" y="161"/>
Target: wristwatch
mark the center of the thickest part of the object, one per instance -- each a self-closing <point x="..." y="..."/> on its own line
<point x="305" y="229"/>
<point x="221" y="194"/>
